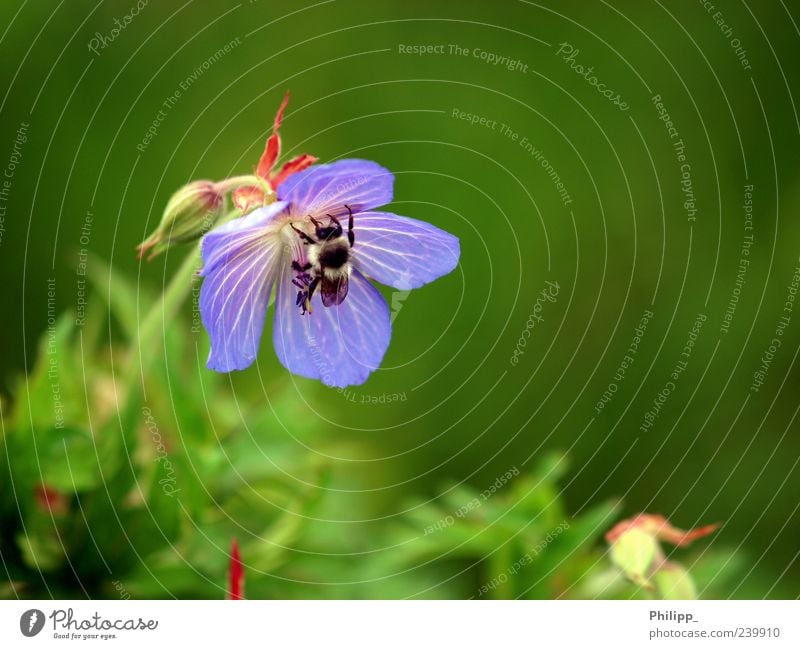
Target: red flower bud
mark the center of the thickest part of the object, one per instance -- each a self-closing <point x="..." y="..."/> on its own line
<point x="235" y="574"/>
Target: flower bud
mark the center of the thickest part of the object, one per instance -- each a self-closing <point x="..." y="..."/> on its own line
<point x="634" y="552"/>
<point x="674" y="582"/>
<point x="190" y="213"/>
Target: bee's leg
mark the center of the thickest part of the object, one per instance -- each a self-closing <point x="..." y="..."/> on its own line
<point x="351" y="236"/>
<point x="300" y="269"/>
<point x="306" y="239"/>
<point x="320" y="229"/>
<point x="338" y="229"/>
<point x="311" y="288"/>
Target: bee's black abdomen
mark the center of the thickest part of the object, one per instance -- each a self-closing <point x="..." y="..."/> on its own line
<point x="334" y="256"/>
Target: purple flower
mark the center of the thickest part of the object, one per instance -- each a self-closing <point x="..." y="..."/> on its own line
<point x="316" y="246"/>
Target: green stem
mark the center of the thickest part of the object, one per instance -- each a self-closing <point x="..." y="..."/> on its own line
<point x="499" y="564"/>
<point x="157" y="319"/>
<point x="161" y="314"/>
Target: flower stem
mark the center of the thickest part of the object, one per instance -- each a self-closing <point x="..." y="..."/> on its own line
<point x="154" y="324"/>
<point x="160" y="314"/>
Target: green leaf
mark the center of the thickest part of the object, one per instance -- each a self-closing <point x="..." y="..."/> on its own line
<point x="41" y="548"/>
<point x="53" y="394"/>
<point x="118" y="293"/>
<point x="68" y="459"/>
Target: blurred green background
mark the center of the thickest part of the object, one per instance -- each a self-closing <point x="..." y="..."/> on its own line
<point x="322" y="488"/>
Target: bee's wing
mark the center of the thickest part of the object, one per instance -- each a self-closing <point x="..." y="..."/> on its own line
<point x="334" y="290"/>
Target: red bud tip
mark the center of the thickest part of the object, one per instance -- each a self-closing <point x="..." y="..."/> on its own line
<point x="661" y="529"/>
<point x="272" y="151"/>
<point x="235" y="573"/>
<point x="279" y="115"/>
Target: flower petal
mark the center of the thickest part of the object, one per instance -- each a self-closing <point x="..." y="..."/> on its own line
<point x="402" y="252"/>
<point x="272" y="150"/>
<point x="295" y="165"/>
<point x="339" y="345"/>
<point x="361" y="184"/>
<point x="240" y="264"/>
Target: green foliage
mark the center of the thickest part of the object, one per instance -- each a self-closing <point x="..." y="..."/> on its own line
<point x="147" y="489"/>
<point x="116" y="491"/>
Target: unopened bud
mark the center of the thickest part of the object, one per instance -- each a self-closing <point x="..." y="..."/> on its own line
<point x="634" y="552"/>
<point x="673" y="582"/>
<point x="190" y="213"/>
